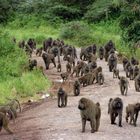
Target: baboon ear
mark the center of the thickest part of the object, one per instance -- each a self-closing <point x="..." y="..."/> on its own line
<point x="110" y="99"/>
<point x="98" y="104"/>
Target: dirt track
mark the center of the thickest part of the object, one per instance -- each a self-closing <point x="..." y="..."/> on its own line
<point x="48" y="122"/>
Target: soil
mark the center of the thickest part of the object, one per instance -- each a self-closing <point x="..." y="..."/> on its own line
<point x="45" y="121"/>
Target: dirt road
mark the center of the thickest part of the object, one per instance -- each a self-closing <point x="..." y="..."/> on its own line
<point x="48" y="122"/>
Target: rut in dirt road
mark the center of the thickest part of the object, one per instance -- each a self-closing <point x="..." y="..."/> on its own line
<point x="48" y="122"/>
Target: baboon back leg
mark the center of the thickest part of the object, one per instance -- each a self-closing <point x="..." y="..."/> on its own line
<point x="112" y="117"/>
<point x="131" y="118"/>
<point x="97" y="124"/>
<point x="65" y="101"/>
<point x="120" y="119"/>
<point x="83" y="125"/>
<point x="7" y="129"/>
<point x="135" y="119"/>
<point x="58" y="101"/>
<point x="93" y="125"/>
<point x="127" y="116"/>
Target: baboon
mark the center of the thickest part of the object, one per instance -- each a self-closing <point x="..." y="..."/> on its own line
<point x="47" y="43"/>
<point x="123" y="83"/>
<point x="4" y="123"/>
<point x="127" y="67"/>
<point x="101" y="53"/>
<point x="64" y="76"/>
<point x="31" y="42"/>
<point x="100" y="78"/>
<point x="7" y="111"/>
<point x="132" y="111"/>
<point x="39" y="51"/>
<point x="70" y="60"/>
<point x="94" y="49"/>
<point x="136" y="71"/>
<point x="130" y="72"/>
<point x="96" y="71"/>
<point x="91" y="57"/>
<point x="62" y="97"/>
<point x="124" y="61"/>
<point x="85" y="69"/>
<point x="90" y="111"/>
<point x="137" y="83"/>
<point x="112" y="61"/>
<point x="92" y="66"/>
<point x="48" y="58"/>
<point x="76" y="70"/>
<point x="68" y="67"/>
<point x="108" y="47"/>
<point x="115" y="73"/>
<point x="14" y="106"/>
<point x="59" y="67"/>
<point x="32" y="64"/>
<point x="76" y="88"/>
<point x="21" y="44"/>
<point x="115" y="108"/>
<point x="134" y="61"/>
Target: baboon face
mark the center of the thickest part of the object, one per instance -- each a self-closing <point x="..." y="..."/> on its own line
<point x="82" y="104"/>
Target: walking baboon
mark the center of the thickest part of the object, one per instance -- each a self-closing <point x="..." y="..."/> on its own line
<point x="134" y="61"/>
<point x="123" y="83"/>
<point x="132" y="111"/>
<point x="62" y="97"/>
<point x="64" y="76"/>
<point x="115" y="73"/>
<point x="112" y="61"/>
<point x="32" y="64"/>
<point x="70" y="60"/>
<point x="130" y="72"/>
<point x="96" y="71"/>
<point x="124" y="61"/>
<point x="90" y="112"/>
<point x="68" y="67"/>
<point x="100" y="78"/>
<point x="127" y="67"/>
<point x="115" y="108"/>
<point x="48" y="58"/>
<point x="59" y="67"/>
<point x="76" y="70"/>
<point x="101" y="53"/>
<point x="137" y="83"/>
<point x="76" y="88"/>
<point x="4" y="123"/>
<point x="136" y="71"/>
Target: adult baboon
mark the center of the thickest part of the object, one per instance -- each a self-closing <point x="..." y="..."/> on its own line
<point x="123" y="83"/>
<point x="137" y="83"/>
<point x="59" y="67"/>
<point x="100" y="78"/>
<point x="31" y="42"/>
<point x="4" y="123"/>
<point x="112" y="61"/>
<point x="127" y="67"/>
<point x="91" y="57"/>
<point x="70" y="60"/>
<point x="68" y="67"/>
<point x="130" y="72"/>
<point x="48" y="58"/>
<point x="134" y="61"/>
<point x="115" y="73"/>
<point x="47" y="44"/>
<point x="108" y="47"/>
<point x="85" y="69"/>
<point x="76" y="88"/>
<point x="96" y="71"/>
<point x="21" y="44"/>
<point x="124" y="61"/>
<point x="64" y="76"/>
<point x="7" y="111"/>
<point x="14" y="106"/>
<point x="92" y="66"/>
<point x="101" y="53"/>
<point x="136" y="71"/>
<point x="90" y="112"/>
<point x="94" y="49"/>
<point x="115" y="108"/>
<point x="132" y="111"/>
<point x="62" y="97"/>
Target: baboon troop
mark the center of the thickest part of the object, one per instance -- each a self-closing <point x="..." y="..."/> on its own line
<point x="62" y="98"/>
<point x="83" y="71"/>
<point x="115" y="108"/>
<point x="90" y="111"/>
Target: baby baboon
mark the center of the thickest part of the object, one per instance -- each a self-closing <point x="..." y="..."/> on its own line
<point x="76" y="88"/>
<point x="123" y="85"/>
<point x="132" y="111"/>
<point x="59" y="67"/>
<point x="68" y="67"/>
<point x="32" y="64"/>
<point x="62" y="97"/>
<point x="90" y="112"/>
<point x="4" y="123"/>
<point x="115" y="73"/>
<point x="100" y="78"/>
<point x="64" y="76"/>
<point x="115" y="108"/>
<point x="101" y="53"/>
<point x="137" y="83"/>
